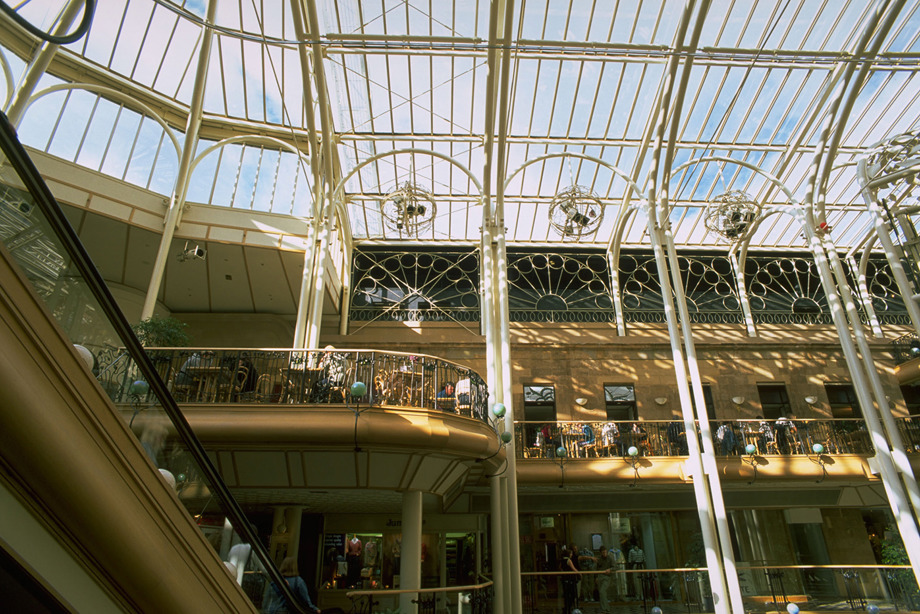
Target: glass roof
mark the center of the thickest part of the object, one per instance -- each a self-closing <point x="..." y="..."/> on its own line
<point x="572" y="92"/>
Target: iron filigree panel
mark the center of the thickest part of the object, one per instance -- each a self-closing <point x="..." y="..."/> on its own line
<point x="415" y="286"/>
<point x="786" y="290"/>
<point x="559" y="288"/>
<point x="708" y="284"/>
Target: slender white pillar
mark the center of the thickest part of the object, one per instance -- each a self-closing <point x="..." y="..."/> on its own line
<point x="498" y="561"/>
<point x="410" y="569"/>
<point x="505" y="395"/>
<point x="39" y="64"/>
<point x="900" y="507"/>
<point x="704" y="508"/>
<point x="177" y="202"/>
<point x="715" y="487"/>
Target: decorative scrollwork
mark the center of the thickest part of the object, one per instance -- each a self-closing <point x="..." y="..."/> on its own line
<point x="568" y="286"/>
<point x="708" y="285"/>
<point x="786" y="290"/>
<point x="576" y="212"/>
<point x="415" y="286"/>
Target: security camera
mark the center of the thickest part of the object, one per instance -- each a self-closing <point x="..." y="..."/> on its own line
<point x="195" y="252"/>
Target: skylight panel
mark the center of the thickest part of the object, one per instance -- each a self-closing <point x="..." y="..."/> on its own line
<point x="131" y="36"/>
<point x="698" y="99"/>
<point x="523" y="95"/>
<point x="121" y="143"/>
<point x="544" y="98"/>
<point x="574" y="16"/>
<point x="95" y="142"/>
<point x="780" y="105"/>
<point x="607" y="92"/>
<point x="397" y="85"/>
<point x="881" y="102"/>
<point x="586" y="100"/>
<point x="906" y="32"/>
<point x="759" y="21"/>
<point x="645" y="96"/>
<point x="624" y="22"/>
<point x="566" y="89"/>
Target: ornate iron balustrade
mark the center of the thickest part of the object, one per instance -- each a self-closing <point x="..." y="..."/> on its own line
<point x="315" y="377"/>
<point x="478" y="598"/>
<point x="613" y="439"/>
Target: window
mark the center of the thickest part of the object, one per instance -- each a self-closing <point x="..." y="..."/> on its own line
<point x="539" y="403"/>
<point x="620" y="401"/>
<point x="707" y="399"/>
<point x="911" y="396"/>
<point x="843" y="401"/>
<point x="774" y="400"/>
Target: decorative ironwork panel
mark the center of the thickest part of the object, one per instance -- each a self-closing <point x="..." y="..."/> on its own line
<point x="559" y="288"/>
<point x="415" y="286"/>
<point x="884" y="294"/>
<point x="708" y="283"/>
<point x="786" y="290"/>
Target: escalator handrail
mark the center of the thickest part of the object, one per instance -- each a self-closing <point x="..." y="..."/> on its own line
<point x="44" y="199"/>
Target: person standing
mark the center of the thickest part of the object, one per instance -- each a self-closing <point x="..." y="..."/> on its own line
<point x="636" y="560"/>
<point x="605" y="563"/>
<point x="277" y="603"/>
<point x="569" y="581"/>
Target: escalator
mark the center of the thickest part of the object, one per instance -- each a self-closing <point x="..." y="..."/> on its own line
<point x="101" y="508"/>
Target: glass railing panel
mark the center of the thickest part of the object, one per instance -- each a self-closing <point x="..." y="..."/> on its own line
<point x="39" y="238"/>
<point x="670" y="590"/>
<point x="829" y="587"/>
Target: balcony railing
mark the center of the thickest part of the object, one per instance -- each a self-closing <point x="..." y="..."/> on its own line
<point x="832" y="588"/>
<point x="303" y="377"/>
<point x="612" y="439"/>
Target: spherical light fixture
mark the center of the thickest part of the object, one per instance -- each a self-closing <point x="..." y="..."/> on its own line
<point x="656" y="610"/>
<point x="498" y="410"/>
<point x="872" y="608"/>
<point x="576" y="212"/>
<point x="792" y="608"/>
<point x="139" y="388"/>
<point x="169" y="478"/>
<point x="818" y="448"/>
<point x="750" y="448"/>
<point x="730" y="215"/>
<point x="506" y="437"/>
<point x="633" y="451"/>
<point x="358" y="389"/>
<point x="85" y="355"/>
<point x="560" y="452"/>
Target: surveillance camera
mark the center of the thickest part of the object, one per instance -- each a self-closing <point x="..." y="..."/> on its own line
<point x="192" y="253"/>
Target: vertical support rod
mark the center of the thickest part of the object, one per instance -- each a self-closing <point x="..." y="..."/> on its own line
<point x="410" y="571"/>
<point x="177" y="202"/>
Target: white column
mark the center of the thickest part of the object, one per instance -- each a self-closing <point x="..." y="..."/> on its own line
<point x="177" y="202"/>
<point x="696" y="461"/>
<point x="498" y="556"/>
<point x="39" y="65"/>
<point x="410" y="568"/>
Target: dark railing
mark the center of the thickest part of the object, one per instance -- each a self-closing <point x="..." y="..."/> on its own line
<point x="470" y="599"/>
<point x="611" y="439"/>
<point x="765" y="588"/>
<point x="905" y="347"/>
<point x="37" y="234"/>
<point x="317" y="377"/>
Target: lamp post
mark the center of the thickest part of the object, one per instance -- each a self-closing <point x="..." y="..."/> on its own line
<point x="750" y="451"/>
<point x="632" y="457"/>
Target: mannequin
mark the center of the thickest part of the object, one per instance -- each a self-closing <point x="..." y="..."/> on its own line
<point x="370" y="553"/>
<point x="353" y="548"/>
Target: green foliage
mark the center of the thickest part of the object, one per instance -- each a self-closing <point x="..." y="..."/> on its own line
<point x="162" y="332"/>
<point x="893" y="551"/>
